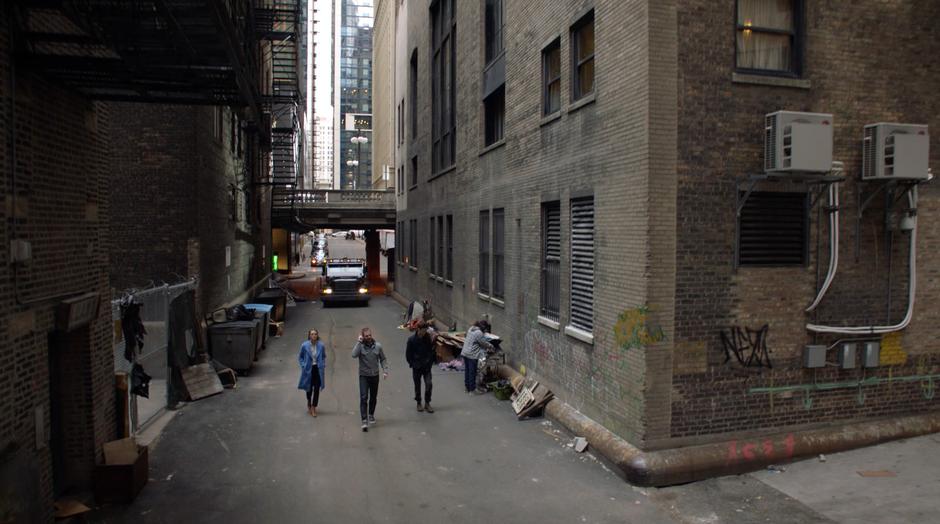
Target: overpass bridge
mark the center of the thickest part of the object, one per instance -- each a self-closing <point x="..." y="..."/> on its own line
<point x="307" y="209"/>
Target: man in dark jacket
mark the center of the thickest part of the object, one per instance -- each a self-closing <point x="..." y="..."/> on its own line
<point x="420" y="355"/>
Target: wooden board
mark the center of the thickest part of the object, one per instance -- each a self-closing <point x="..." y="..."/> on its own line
<point x="201" y="381"/>
<point x="524" y="398"/>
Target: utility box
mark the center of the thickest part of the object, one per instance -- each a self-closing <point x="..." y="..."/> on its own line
<point x="814" y="356"/>
<point x="847" y="355"/>
<point x="871" y="354"/>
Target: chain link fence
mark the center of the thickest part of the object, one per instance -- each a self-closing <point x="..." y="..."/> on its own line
<point x="154" y="313"/>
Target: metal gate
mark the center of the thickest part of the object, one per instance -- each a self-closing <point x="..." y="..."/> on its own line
<point x="153" y="357"/>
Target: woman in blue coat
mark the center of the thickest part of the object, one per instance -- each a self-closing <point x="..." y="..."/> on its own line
<point x="312" y="361"/>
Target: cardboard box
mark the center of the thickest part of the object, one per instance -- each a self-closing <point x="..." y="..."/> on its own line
<point x="119" y="482"/>
<point x="443" y="352"/>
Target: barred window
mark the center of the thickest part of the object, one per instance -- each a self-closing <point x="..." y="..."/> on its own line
<point x="484" y="252"/>
<point x="499" y="244"/>
<point x="450" y="248"/>
<point x="440" y="246"/>
<point x="551" y="260"/>
<point x="431" y="252"/>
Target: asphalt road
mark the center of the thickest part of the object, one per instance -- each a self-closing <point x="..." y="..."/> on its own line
<point x="254" y="455"/>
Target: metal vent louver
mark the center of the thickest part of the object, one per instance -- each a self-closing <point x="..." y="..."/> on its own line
<point x="869" y="148"/>
<point x="770" y="139"/>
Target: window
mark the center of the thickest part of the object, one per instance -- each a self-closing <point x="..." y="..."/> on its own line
<point x="399" y="242"/>
<point x="413" y="238"/>
<point x="582" y="57"/>
<point x="484" y="252"/>
<point x="443" y="89"/>
<point x="440" y="246"/>
<point x="232" y="125"/>
<point x="773" y="229"/>
<point x="499" y="244"/>
<point x="398" y="124"/>
<point x="494" y="115"/>
<point x="218" y="114"/>
<point x="401" y="123"/>
<point x="414" y="172"/>
<point x="432" y="260"/>
<point x="551" y="78"/>
<point x="551" y="261"/>
<point x="401" y="181"/>
<point x="493" y="29"/>
<point x="582" y="264"/>
<point x="449" y="275"/>
<point x="413" y="93"/>
<point x="767" y="36"/>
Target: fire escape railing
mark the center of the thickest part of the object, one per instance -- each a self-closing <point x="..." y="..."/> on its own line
<point x="278" y="24"/>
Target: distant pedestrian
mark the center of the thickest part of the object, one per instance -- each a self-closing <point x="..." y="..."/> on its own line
<point x="475" y="347"/>
<point x="371" y="358"/>
<point x="312" y="360"/>
<point x="419" y="353"/>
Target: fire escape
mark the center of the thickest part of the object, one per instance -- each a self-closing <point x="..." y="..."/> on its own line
<point x="156" y="51"/>
<point x="277" y="23"/>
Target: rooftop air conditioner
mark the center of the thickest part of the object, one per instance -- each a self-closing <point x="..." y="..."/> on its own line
<point x="797" y="142"/>
<point x="895" y="152"/>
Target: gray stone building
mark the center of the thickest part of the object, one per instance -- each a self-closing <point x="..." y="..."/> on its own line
<point x="587" y="175"/>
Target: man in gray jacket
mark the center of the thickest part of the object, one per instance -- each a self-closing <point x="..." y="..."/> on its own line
<point x="371" y="357"/>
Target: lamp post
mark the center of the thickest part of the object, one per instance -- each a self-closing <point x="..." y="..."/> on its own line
<point x="358" y="140"/>
<point x="354" y="163"/>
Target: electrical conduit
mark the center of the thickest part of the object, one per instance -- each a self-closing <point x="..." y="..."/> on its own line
<point x="877" y="330"/>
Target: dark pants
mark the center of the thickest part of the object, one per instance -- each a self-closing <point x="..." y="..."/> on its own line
<point x="416" y="375"/>
<point x="368" y="390"/>
<point x="470" y="373"/>
<point x="313" y="393"/>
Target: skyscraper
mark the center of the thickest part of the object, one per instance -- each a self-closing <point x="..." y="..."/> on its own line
<point x="352" y="104"/>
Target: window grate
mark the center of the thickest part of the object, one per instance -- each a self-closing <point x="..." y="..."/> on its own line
<point x="773" y="229"/>
<point x="484" y="252"/>
<point x="499" y="243"/>
<point x="582" y="264"/>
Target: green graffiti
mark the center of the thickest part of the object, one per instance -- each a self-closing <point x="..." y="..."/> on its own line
<point x="634" y="331"/>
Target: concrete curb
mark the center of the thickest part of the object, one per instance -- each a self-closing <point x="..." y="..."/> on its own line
<point x="688" y="464"/>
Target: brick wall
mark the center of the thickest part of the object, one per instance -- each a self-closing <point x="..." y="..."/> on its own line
<point x="172" y="196"/>
<point x="61" y="152"/>
<point x="600" y="148"/>
<point x="853" y="74"/>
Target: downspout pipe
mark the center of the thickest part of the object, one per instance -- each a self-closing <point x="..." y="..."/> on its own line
<point x="669" y="467"/>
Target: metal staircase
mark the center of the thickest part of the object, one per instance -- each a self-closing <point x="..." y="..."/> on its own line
<point x="278" y="24"/>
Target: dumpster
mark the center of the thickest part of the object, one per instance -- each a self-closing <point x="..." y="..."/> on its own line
<point x="235" y="344"/>
<point x="277" y="298"/>
<point x="265" y="310"/>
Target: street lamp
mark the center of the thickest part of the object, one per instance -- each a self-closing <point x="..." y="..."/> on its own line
<point x="358" y="140"/>
<point x="354" y="163"/>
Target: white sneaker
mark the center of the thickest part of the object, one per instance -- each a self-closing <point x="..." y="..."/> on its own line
<point x="365" y="426"/>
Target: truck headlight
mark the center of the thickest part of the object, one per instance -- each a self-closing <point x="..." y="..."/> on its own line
<point x="328" y="291"/>
<point x="363" y="290"/>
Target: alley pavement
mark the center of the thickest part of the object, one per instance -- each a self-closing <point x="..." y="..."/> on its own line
<point x="253" y="454"/>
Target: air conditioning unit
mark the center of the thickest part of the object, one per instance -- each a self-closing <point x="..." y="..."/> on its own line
<point x="797" y="142"/>
<point x="895" y="152"/>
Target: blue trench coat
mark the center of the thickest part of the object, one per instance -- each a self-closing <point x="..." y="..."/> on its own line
<point x="306" y="360"/>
